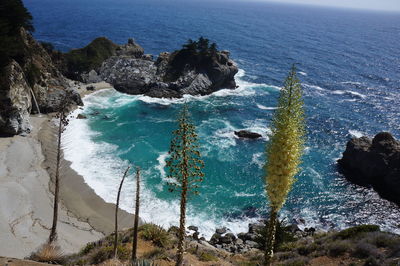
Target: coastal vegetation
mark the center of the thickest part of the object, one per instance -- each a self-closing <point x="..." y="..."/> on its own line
<point x="13" y="16"/>
<point x="193" y="55"/>
<point x="185" y="169"/>
<point x="116" y="211"/>
<point x="284" y="151"/>
<point x="136" y="222"/>
<point x="89" y="57"/>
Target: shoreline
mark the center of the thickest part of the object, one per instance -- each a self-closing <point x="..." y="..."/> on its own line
<point x="76" y="195"/>
<point x="26" y="197"/>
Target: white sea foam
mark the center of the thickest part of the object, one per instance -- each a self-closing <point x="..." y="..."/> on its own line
<point x="243" y="194"/>
<point x="262" y="107"/>
<point x="302" y="73"/>
<point x="356" y="133"/>
<point x="258" y="160"/>
<point x="351" y="82"/>
<point x="315" y="87"/>
<point x="352" y="93"/>
<point x="258" y="126"/>
<point x="161" y="164"/>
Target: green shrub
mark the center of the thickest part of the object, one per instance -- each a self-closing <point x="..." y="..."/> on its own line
<point x="383" y="240"/>
<point x="32" y="74"/>
<point x="307" y="249"/>
<point x="282" y="235"/>
<point x="355" y="231"/>
<point x="287" y="246"/>
<point x="87" y="248"/>
<point x="156" y="253"/>
<point x="365" y="250"/>
<point x="106" y="253"/>
<point x="299" y="261"/>
<point x="89" y="57"/>
<point x="155" y="234"/>
<point x="338" y="248"/>
<point x="371" y="262"/>
<point x="207" y="257"/>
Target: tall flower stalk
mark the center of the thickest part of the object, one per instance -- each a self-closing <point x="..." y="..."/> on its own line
<point x="284" y="152"/>
<point x="185" y="169"/>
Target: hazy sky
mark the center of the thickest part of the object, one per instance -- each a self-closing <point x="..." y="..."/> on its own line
<point x="390" y="5"/>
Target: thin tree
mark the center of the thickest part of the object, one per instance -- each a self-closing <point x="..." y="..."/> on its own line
<point x="185" y="169"/>
<point x="62" y="116"/>
<point x="136" y="223"/>
<point x="284" y="152"/>
<point x="116" y="212"/>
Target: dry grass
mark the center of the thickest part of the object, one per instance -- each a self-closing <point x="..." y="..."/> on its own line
<point x="49" y="253"/>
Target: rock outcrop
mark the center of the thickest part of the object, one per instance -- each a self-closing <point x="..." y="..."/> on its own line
<point x="247" y="134"/>
<point x="15" y="101"/>
<point x="171" y="75"/>
<point x="374" y="162"/>
<point x="32" y="77"/>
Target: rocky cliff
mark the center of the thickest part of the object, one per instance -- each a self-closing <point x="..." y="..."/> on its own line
<point x="15" y="100"/>
<point x="32" y="77"/>
<point x="374" y="162"/>
<point x="194" y="70"/>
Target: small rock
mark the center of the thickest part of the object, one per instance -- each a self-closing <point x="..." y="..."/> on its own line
<point x="90" y="88"/>
<point x="215" y="239"/>
<point x="256" y="227"/>
<point x="239" y="241"/>
<point x="252" y="244"/>
<point x="193" y="228"/>
<point x="221" y="231"/>
<point x="81" y="116"/>
<point x="247" y="134"/>
<point x="196" y="235"/>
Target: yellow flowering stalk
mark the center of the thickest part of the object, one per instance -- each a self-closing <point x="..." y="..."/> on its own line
<point x="284" y="152"/>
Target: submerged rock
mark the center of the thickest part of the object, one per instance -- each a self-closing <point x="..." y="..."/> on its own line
<point x="374" y="162"/>
<point x="247" y="134"/>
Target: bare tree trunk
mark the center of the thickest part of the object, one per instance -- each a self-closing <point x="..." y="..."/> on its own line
<point x="53" y="232"/>
<point x="116" y="212"/>
<point x="136" y="223"/>
<point x="270" y="242"/>
<point x="182" y="224"/>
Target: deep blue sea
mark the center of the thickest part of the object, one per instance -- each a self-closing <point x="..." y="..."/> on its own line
<point x="349" y="65"/>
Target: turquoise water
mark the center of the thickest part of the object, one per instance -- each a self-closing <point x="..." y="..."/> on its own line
<point x="349" y="67"/>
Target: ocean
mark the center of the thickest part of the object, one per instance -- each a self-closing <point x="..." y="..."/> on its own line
<point x="349" y="66"/>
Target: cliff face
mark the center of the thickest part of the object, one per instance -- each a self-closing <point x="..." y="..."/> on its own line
<point x="33" y="75"/>
<point x="15" y="100"/>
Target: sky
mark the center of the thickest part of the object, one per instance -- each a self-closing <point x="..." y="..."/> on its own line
<point x="387" y="5"/>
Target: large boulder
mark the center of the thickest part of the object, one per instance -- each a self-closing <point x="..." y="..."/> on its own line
<point x="15" y="101"/>
<point x="374" y="162"/>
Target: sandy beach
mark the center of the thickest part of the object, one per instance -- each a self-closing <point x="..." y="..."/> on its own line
<point x="26" y="170"/>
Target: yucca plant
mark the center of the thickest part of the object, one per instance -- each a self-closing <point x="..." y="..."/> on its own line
<point x="144" y="263"/>
<point x="185" y="169"/>
<point x="136" y="222"/>
<point x="62" y="116"/>
<point x="284" y="152"/>
<point x="116" y="212"/>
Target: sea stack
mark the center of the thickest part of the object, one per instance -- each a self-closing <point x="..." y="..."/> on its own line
<point x="374" y="162"/>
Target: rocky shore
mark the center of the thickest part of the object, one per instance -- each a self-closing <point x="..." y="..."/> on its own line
<point x="374" y="162"/>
